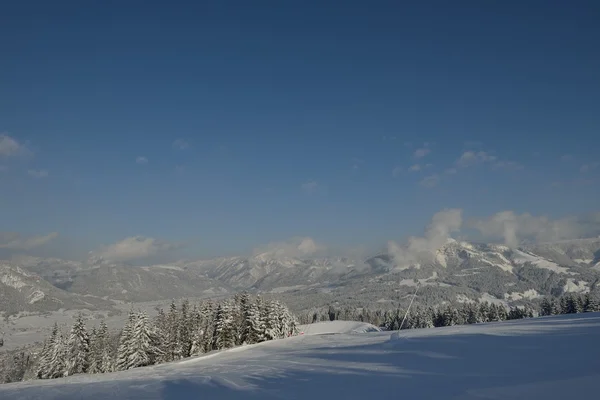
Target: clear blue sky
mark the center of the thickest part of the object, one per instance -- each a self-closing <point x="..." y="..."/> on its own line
<point x="259" y="121"/>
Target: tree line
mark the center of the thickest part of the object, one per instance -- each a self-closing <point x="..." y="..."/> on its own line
<point x="421" y="317"/>
<point x="180" y="332"/>
<point x="452" y="313"/>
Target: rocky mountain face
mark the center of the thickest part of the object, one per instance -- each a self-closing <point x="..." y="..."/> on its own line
<point x="458" y="271"/>
<point x="24" y="291"/>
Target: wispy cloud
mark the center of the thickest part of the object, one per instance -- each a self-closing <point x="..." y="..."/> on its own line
<point x="297" y="247"/>
<point x="415" y="168"/>
<point x="588" y="167"/>
<point x="9" y="146"/>
<point x="141" y="160"/>
<point x="470" y="158"/>
<point x="14" y="241"/>
<point x="133" y="248"/>
<point x="180" y="144"/>
<point x="430" y="181"/>
<point x="38" y="173"/>
<point x="309" y="187"/>
<point x="420" y="249"/>
<point x="397" y="171"/>
<point x="421" y="152"/>
<point x="513" y="228"/>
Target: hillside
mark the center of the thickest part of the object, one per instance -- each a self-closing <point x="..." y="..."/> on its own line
<point x="507" y="360"/>
<point x="24" y="291"/>
<point x="456" y="271"/>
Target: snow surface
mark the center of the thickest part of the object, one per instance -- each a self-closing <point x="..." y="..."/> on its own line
<point x="543" y="358"/>
<point x="522" y="257"/>
<point x="322" y="328"/>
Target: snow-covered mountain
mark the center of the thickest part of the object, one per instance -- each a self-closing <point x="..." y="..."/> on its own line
<point x="457" y="271"/>
<point x="23" y="290"/>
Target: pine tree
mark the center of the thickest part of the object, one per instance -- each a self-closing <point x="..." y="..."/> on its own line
<point x="78" y="348"/>
<point x="591" y="303"/>
<point x="125" y="350"/>
<point x="95" y="353"/>
<point x="57" y="366"/>
<point x="107" y="363"/>
<point x="46" y="355"/>
<point x="184" y="334"/>
<point x="545" y="307"/>
<point x="143" y="343"/>
<point x="173" y="349"/>
<point x="162" y="330"/>
<point x="224" y="336"/>
<point x="207" y="311"/>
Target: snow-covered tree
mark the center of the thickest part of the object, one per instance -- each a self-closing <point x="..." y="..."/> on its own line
<point x="224" y="334"/>
<point x="143" y="343"/>
<point x="184" y="332"/>
<point x="125" y="350"/>
<point x="57" y="366"/>
<point x="46" y="355"/>
<point x="78" y="349"/>
<point x="95" y="353"/>
<point x="106" y="351"/>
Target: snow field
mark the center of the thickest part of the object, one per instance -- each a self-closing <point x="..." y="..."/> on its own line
<point x="543" y="358"/>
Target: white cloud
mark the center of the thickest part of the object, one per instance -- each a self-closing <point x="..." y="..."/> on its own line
<point x="422" y="249"/>
<point x="38" y="173"/>
<point x="588" y="167"/>
<point x="310" y="186"/>
<point x="397" y="171"/>
<point x="450" y="171"/>
<point x="422" y="152"/>
<point x="133" y="248"/>
<point x="141" y="160"/>
<point x="9" y="146"/>
<point x="14" y="241"/>
<point x="430" y="181"/>
<point x="513" y="229"/>
<point x="415" y="168"/>
<point x="180" y="144"/>
<point x="297" y="247"/>
<point x="469" y="158"/>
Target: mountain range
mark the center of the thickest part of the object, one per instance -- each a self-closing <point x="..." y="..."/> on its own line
<point x="457" y="271"/>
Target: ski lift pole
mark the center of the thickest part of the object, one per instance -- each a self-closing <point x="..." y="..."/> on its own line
<point x="408" y="309"/>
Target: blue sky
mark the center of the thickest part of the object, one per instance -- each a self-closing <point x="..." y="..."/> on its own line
<point x="224" y="126"/>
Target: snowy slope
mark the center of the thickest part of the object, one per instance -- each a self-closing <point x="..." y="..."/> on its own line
<point x="543" y="358"/>
<point x="324" y="328"/>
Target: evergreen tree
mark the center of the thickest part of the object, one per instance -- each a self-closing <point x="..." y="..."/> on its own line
<point x="107" y="363"/>
<point x="57" y="366"/>
<point x="78" y="349"/>
<point x="545" y="307"/>
<point x="44" y="370"/>
<point x="125" y="350"/>
<point x="95" y="353"/>
<point x="173" y="349"/>
<point x="184" y="333"/>
<point x="143" y="343"/>
<point x="224" y="334"/>
<point x="591" y="303"/>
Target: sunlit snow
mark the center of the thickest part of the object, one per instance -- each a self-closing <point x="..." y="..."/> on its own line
<point x="543" y="358"/>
